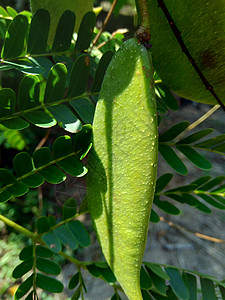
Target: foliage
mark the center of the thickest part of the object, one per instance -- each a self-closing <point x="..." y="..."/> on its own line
<point x="60" y="87"/>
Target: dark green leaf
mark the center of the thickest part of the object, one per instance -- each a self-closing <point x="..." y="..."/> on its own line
<point x="26" y="253"/>
<point x="52" y="242"/>
<point x="94" y="270"/>
<point x="195" y="157"/>
<point x="85" y="31"/>
<point x="80" y="233"/>
<point x="191" y="283"/>
<point x="30" y="296"/>
<point x="173" y="132"/>
<point x="154" y="218"/>
<point x="5" y="196"/>
<point x="212" y="183"/>
<point x="15" y="38"/>
<point x="108" y="275"/>
<point x="22" y="268"/>
<point x="53" y="175"/>
<point x="189" y="199"/>
<point x="73" y="166"/>
<point x="15" y="123"/>
<point x="84" y="108"/>
<point x="177" y="284"/>
<point x="47" y="266"/>
<point x="166" y="96"/>
<point x="42" y="225"/>
<point x="157" y="296"/>
<point x="200" y="181"/>
<point x="156" y="268"/>
<point x="166" y="206"/>
<point x="158" y="282"/>
<point x="79" y="76"/>
<point x="40" y="118"/>
<point x="161" y="106"/>
<point x="172" y="159"/>
<point x="8" y="102"/>
<point x="55" y="87"/>
<point x="170" y="294"/>
<point x="145" y="295"/>
<point x="33" y="181"/>
<point x="207" y="287"/>
<point x="62" y="146"/>
<point x="219" y="148"/>
<point x="195" y="136"/>
<point x="49" y="284"/>
<point x="145" y="279"/>
<point x="24" y="287"/>
<point x="63" y="114"/>
<point x="222" y="291"/>
<point x="211" y="201"/>
<point x="202" y="207"/>
<point x="66" y="237"/>
<point x="219" y="198"/>
<point x="182" y="189"/>
<point x="38" y="34"/>
<point x="175" y="197"/>
<point x="219" y="189"/>
<point x="64" y="32"/>
<point x="76" y="295"/>
<point x="6" y="177"/>
<point x="162" y="182"/>
<point x="83" y="139"/>
<point x="22" y="163"/>
<point x="69" y="208"/>
<point x="211" y="142"/>
<point x="42" y="157"/>
<point x="100" y="72"/>
<point x="18" y="189"/>
<point x="74" y="281"/>
<point x="43" y="251"/>
<point x="29" y="92"/>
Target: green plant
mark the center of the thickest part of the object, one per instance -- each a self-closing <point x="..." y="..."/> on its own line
<point x="191" y="38"/>
<point x="60" y="87"/>
<point x="112" y="193"/>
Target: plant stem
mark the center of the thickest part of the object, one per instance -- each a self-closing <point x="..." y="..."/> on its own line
<point x="104" y="23"/>
<point x="198" y="122"/>
<point x="17" y="227"/>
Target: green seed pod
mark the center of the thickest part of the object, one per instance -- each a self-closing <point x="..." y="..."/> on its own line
<point x="123" y="163"/>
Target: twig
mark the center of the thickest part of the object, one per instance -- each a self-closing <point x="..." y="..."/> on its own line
<point x="44" y="139"/>
<point x="197" y="234"/>
<point x="105" y="22"/>
<point x="199" y="121"/>
<point x="177" y="34"/>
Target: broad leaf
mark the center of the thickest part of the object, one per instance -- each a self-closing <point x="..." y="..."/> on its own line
<point x="38" y="33"/>
<point x="177" y="284"/>
<point x="49" y="284"/>
<point x="64" y="32"/>
<point x="172" y="159"/>
<point x="15" y="38"/>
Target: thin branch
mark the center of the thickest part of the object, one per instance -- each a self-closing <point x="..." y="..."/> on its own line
<point x="198" y="122"/>
<point x="197" y="234"/>
<point x="177" y="34"/>
<point x="44" y="139"/>
<point x="104" y="23"/>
